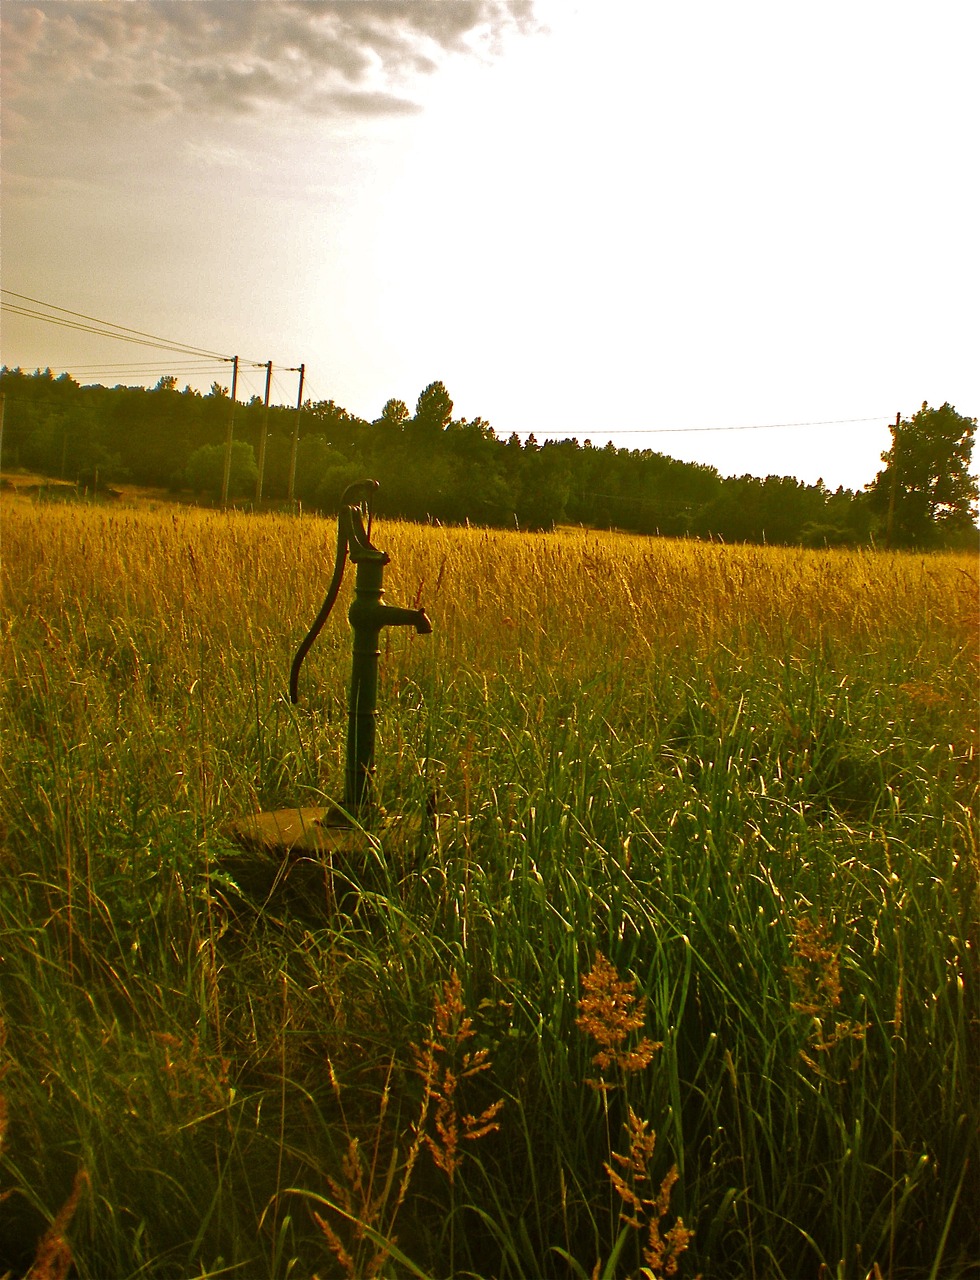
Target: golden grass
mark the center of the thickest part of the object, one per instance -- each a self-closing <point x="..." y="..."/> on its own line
<point x="608" y="1011"/>
<point x="498" y="597"/>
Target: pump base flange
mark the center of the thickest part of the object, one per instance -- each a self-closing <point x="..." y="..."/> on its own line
<point x="302" y="831"/>
<point x="318" y="830"/>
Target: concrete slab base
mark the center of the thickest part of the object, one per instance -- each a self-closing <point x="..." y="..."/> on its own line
<point x="308" y="861"/>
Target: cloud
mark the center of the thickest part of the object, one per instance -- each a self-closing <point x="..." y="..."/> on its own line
<point x="211" y="155"/>
<point x="229" y="57"/>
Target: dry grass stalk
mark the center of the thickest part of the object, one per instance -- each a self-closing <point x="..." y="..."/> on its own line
<point x="364" y="1199"/>
<point x="815" y="971"/>
<point x="53" y="1258"/>
<point x="354" y="1195"/>
<point x="4" y="1119"/>
<point x="191" y="1073"/>
<point x="369" y="1202"/>
<point x="4" y="1115"/>
<point x="4" y="1068"/>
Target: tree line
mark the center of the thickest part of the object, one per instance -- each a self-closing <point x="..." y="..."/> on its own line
<point x="432" y="466"/>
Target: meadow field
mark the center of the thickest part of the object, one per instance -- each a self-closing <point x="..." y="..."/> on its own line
<point x="683" y="939"/>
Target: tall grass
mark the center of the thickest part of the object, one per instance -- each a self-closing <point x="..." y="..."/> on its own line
<point x="746" y="776"/>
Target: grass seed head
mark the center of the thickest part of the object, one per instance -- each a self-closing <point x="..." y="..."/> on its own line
<point x="663" y="1248"/>
<point x="609" y="1011"/>
<point x="815" y="971"/>
<point x="442" y="1064"/>
<point x="54" y="1258"/>
<point x="816" y="981"/>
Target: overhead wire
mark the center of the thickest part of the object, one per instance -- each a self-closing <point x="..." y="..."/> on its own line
<point x="109" y="329"/>
<point x="123" y="365"/>
<point x="144" y="371"/>
<point x="277" y="384"/>
<point x="664" y="431"/>
<point x="106" y="328"/>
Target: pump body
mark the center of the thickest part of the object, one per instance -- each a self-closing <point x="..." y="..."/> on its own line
<point x="368" y="615"/>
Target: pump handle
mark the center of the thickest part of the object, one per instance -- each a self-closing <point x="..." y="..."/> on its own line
<point x="354" y="496"/>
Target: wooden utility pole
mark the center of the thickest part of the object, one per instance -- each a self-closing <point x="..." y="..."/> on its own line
<point x="265" y="433"/>
<point x="231" y="431"/>
<point x="292" y="457"/>
<point x="893" y="492"/>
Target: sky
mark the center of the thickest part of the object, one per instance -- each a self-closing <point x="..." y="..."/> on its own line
<point x="676" y="226"/>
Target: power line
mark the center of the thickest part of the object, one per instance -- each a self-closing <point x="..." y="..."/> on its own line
<point x="136" y="364"/>
<point x="106" y="329"/>
<point x="145" y="372"/>
<point x="87" y="328"/>
<point x="664" y="431"/>
<point x="109" y="329"/>
<point x="144" y="366"/>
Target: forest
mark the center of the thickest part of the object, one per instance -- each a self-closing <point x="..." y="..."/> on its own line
<point x="437" y="468"/>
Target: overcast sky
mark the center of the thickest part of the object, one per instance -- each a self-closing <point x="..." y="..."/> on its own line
<point x="615" y="219"/>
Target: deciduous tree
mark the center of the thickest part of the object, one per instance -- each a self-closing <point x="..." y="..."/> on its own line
<point x="925" y="492"/>
<point x="205" y="469"/>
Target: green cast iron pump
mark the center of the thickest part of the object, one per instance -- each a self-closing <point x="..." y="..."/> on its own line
<point x="367" y="616"/>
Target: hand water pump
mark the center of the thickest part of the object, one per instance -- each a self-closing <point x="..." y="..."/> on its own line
<point x="338" y="836"/>
<point x="367" y="615"/>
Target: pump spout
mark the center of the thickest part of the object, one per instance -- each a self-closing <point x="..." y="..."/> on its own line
<point x="371" y="615"/>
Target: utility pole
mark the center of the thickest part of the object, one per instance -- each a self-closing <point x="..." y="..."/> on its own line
<point x="265" y="433"/>
<point x="292" y="458"/>
<point x="231" y="431"/>
<point x="893" y="493"/>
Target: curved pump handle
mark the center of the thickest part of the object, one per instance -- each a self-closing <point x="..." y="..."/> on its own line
<point x="355" y="503"/>
<point x="357" y="497"/>
<point x="350" y="526"/>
